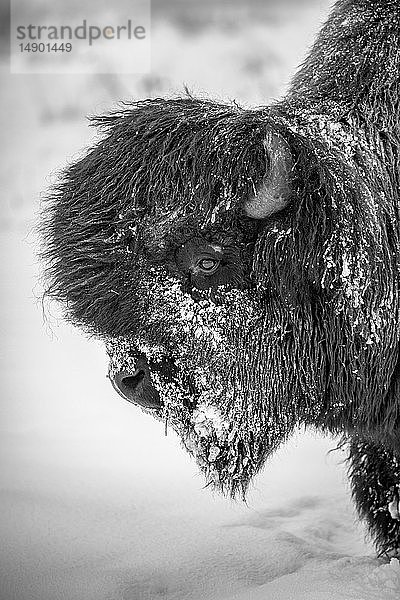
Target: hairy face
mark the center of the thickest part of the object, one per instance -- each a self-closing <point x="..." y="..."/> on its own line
<point x="242" y="283"/>
<point x="199" y="328"/>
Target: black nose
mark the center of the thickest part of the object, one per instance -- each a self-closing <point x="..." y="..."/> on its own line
<point x="136" y="386"/>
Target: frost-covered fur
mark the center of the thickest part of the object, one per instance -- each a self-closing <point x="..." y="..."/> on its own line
<point x="303" y="326"/>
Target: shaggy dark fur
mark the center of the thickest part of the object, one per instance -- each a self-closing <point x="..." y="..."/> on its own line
<point x="300" y="323"/>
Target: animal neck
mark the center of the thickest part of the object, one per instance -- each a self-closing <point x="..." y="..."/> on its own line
<point x="353" y="68"/>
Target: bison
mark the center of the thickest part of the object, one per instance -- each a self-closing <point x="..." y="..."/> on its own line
<point x="242" y="266"/>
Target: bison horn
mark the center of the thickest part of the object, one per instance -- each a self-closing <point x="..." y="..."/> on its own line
<point x="273" y="194"/>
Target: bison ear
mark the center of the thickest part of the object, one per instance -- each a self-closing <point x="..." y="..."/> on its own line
<point x="273" y="194"/>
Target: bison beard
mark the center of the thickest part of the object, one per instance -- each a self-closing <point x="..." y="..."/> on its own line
<point x="242" y="266"/>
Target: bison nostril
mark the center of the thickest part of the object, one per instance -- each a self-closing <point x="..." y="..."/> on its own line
<point x="132" y="381"/>
<point x="137" y="386"/>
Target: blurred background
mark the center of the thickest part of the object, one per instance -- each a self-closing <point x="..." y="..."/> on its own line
<point x="95" y="502"/>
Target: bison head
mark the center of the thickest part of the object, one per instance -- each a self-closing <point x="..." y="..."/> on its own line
<point x="239" y="266"/>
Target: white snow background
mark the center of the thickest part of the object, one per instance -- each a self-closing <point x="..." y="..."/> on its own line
<point x="96" y="504"/>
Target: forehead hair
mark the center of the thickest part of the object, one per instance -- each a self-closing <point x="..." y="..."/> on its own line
<point x="201" y="156"/>
<point x="156" y="161"/>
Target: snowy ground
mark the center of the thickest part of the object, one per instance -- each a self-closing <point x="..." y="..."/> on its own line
<point x="96" y="504"/>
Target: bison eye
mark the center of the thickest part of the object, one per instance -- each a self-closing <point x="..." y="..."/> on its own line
<point x="208" y="265"/>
